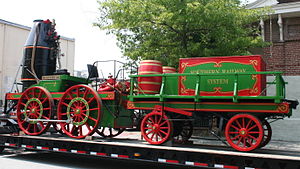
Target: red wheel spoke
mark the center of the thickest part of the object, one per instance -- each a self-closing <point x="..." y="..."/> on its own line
<point x="254" y="138"/>
<point x="243" y="122"/>
<point x="148" y="123"/>
<point x="254" y="132"/>
<point x="160" y="135"/>
<point x="239" y="141"/>
<point x="159" y="120"/>
<point x="46" y="117"/>
<point x="252" y="127"/>
<point x="44" y="100"/>
<point x="89" y="102"/>
<point x="234" y="138"/>
<point x="34" y="128"/>
<point x="153" y="135"/>
<point x="163" y="132"/>
<point x="233" y="132"/>
<point x="238" y="123"/>
<point x="85" y="94"/>
<point x="234" y="127"/>
<point x="151" y="119"/>
<point x="164" y="127"/>
<point x="94" y="109"/>
<point x="65" y="104"/>
<point x="151" y="131"/>
<point x="245" y="142"/>
<point x="248" y="124"/>
<point x="155" y="119"/>
<point x="163" y="123"/>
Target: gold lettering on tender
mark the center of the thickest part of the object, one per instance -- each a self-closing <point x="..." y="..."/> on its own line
<point x="210" y="71"/>
<point x="217" y="81"/>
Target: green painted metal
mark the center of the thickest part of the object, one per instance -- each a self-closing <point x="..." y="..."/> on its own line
<point x="60" y="83"/>
<point x="279" y="83"/>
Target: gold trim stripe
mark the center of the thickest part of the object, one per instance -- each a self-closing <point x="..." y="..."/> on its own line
<point x="148" y="72"/>
<point x="149" y="91"/>
<point x="145" y="82"/>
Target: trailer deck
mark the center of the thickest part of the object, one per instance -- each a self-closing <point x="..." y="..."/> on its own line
<point x="135" y="149"/>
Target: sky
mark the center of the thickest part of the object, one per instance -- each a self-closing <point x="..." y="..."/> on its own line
<point x="74" y="19"/>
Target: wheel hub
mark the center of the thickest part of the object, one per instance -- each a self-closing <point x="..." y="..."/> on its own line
<point x="79" y="103"/>
<point x="32" y="105"/>
<point x="243" y="132"/>
<point x="77" y="111"/>
<point x="155" y="127"/>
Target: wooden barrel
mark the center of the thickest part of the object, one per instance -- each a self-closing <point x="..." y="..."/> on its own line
<point x="168" y="69"/>
<point x="149" y="85"/>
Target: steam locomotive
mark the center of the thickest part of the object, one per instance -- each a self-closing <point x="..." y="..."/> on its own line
<point x="230" y="90"/>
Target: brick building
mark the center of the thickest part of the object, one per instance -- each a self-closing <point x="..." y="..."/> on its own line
<point x="282" y="29"/>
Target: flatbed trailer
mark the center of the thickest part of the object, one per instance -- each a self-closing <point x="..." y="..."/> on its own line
<point x="134" y="149"/>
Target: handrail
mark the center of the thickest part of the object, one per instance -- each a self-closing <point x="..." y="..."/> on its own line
<point x="279" y="82"/>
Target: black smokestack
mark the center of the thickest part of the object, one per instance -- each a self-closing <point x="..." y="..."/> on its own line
<point x="40" y="52"/>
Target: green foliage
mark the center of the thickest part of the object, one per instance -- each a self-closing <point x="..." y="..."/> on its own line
<point x="170" y="29"/>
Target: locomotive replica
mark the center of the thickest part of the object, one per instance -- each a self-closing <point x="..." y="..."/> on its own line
<point x="231" y="90"/>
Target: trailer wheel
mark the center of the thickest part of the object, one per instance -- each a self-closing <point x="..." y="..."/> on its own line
<point x="244" y="132"/>
<point x="267" y="133"/>
<point x="109" y="132"/>
<point x="156" y="128"/>
<point x="35" y="103"/>
<point x="80" y="106"/>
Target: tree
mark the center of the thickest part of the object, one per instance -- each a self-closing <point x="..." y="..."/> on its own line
<point x="166" y="30"/>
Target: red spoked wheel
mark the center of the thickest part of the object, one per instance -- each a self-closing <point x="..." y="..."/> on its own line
<point x="244" y="132"/>
<point x="267" y="133"/>
<point x="156" y="128"/>
<point x="80" y="106"/>
<point x="35" y="104"/>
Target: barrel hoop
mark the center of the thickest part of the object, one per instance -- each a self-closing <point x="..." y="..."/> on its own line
<point x="154" y="61"/>
<point x="148" y="72"/>
<point x="145" y="82"/>
<point x="150" y="64"/>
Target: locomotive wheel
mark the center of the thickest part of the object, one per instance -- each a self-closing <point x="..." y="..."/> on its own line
<point x="244" y="132"/>
<point x="186" y="132"/>
<point x="108" y="132"/>
<point x="156" y="128"/>
<point x="35" y="103"/>
<point x="267" y="133"/>
<point x="81" y="106"/>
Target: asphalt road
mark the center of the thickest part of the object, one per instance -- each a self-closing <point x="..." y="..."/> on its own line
<point x="12" y="159"/>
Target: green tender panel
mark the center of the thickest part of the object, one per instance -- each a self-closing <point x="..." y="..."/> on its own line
<point x="209" y="83"/>
<point x="60" y="83"/>
<point x="171" y="85"/>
